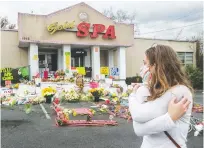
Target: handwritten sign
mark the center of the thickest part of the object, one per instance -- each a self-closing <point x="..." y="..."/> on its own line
<point x="105" y="70"/>
<point x="81" y="70"/>
<point x="7" y="74"/>
<point x="6" y="91"/>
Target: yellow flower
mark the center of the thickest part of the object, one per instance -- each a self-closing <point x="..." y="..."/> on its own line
<point x="74" y="113"/>
<point x="114" y="95"/>
<point x="92" y="111"/>
<point x="115" y="99"/>
<point x="48" y="90"/>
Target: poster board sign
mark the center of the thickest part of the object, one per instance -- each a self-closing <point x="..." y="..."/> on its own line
<point x="67" y="61"/>
<point x="108" y="81"/>
<point x="6" y="91"/>
<point x="102" y="77"/>
<point x="7" y="74"/>
<point x="114" y="71"/>
<point x="105" y="70"/>
<point x="81" y="70"/>
<point x="35" y="57"/>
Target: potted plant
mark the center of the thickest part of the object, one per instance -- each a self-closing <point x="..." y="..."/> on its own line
<point x="97" y="93"/>
<point x="48" y="93"/>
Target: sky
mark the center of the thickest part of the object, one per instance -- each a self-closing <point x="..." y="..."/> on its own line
<point x="152" y="17"/>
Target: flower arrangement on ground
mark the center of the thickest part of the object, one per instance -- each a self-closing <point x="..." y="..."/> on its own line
<point x="106" y="93"/>
<point x="75" y="74"/>
<point x="60" y="73"/>
<point x="37" y="100"/>
<point x="97" y="93"/>
<point x="72" y="96"/>
<point x="86" y="97"/>
<point x="72" y="80"/>
<point x="115" y="86"/>
<point x="48" y="93"/>
<point x="16" y="86"/>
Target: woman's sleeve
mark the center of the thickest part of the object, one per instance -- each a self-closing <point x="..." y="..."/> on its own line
<point x="157" y="125"/>
<point x="143" y="112"/>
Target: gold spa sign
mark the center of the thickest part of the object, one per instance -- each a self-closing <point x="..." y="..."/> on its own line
<point x="84" y="29"/>
<point x="52" y="28"/>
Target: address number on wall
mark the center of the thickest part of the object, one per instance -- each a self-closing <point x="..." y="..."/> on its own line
<point x="25" y="38"/>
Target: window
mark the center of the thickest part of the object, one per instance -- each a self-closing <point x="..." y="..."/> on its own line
<point x="186" y="57"/>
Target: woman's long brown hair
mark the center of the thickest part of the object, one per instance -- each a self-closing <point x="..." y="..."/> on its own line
<point x="168" y="71"/>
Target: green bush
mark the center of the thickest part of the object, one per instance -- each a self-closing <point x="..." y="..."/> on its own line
<point x="135" y="79"/>
<point x="196" y="76"/>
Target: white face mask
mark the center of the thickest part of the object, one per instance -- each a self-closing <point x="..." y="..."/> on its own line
<point x="143" y="70"/>
<point x="144" y="73"/>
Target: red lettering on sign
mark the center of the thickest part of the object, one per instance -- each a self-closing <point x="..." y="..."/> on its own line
<point x="110" y="33"/>
<point x="97" y="28"/>
<point x="83" y="29"/>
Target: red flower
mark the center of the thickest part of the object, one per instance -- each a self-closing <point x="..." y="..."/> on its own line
<point x="65" y="120"/>
<point x="58" y="109"/>
<point x="107" y="101"/>
<point x="57" y="101"/>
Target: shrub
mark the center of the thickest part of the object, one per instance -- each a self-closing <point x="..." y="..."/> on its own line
<point x="196" y="76"/>
<point x="135" y="79"/>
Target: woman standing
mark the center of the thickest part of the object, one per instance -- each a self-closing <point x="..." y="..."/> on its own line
<point x="160" y="112"/>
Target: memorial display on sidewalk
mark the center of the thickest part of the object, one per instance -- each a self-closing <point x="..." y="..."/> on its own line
<point x="101" y="97"/>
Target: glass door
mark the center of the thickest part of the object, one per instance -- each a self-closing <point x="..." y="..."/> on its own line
<point x="41" y="61"/>
<point x="77" y="62"/>
<point x="72" y="62"/>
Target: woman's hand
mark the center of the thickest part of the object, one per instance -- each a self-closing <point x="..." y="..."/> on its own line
<point x="177" y="109"/>
<point x="135" y="86"/>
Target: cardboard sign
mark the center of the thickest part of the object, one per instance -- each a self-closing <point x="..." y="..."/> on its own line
<point x="105" y="70"/>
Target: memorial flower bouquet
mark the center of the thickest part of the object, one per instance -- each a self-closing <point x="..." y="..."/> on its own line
<point x="37" y="100"/>
<point x="106" y="93"/>
<point x="97" y="93"/>
<point x="48" y="93"/>
<point x="60" y="73"/>
<point x="16" y="86"/>
<point x="86" y="97"/>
